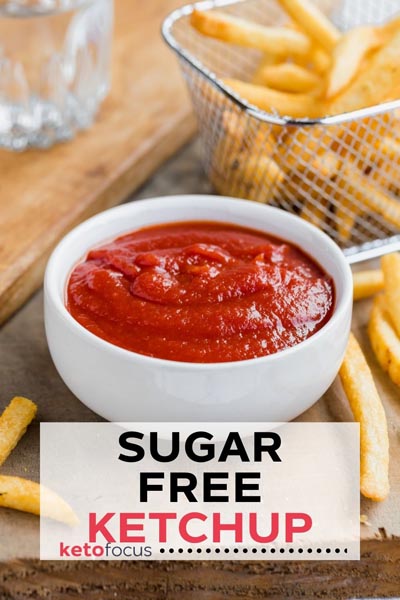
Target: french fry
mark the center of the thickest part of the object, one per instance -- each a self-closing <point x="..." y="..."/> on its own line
<point x="391" y="26"/>
<point x="293" y="105"/>
<point x="326" y="164"/>
<point x="367" y="283"/>
<point x="387" y="163"/>
<point x="252" y="177"/>
<point x="362" y="135"/>
<point x="374" y="84"/>
<point x="23" y="494"/>
<point x="369" y="196"/>
<point x="256" y="175"/>
<point x="311" y="20"/>
<point x="390" y="148"/>
<point x="391" y="273"/>
<point x="317" y="171"/>
<point x="315" y="212"/>
<point x="346" y="211"/>
<point x="13" y="424"/>
<point x="234" y="127"/>
<point x="367" y="409"/>
<point x="348" y="55"/>
<point x="266" y="61"/>
<point x="320" y="59"/>
<point x="384" y="340"/>
<point x="278" y="41"/>
<point x="288" y="77"/>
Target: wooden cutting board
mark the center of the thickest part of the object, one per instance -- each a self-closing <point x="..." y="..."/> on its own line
<point x="144" y="120"/>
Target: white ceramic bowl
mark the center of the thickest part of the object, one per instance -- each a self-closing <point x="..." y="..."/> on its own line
<point x="124" y="386"/>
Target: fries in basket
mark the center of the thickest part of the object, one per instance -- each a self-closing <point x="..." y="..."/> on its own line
<point x="309" y="69"/>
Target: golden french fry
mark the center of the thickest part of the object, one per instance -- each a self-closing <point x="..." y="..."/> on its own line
<point x="258" y="168"/>
<point x="320" y="59"/>
<point x="386" y="157"/>
<point x="369" y="196"/>
<point x="13" y="423"/>
<point x="288" y="77"/>
<point x="315" y="212"/>
<point x="367" y="283"/>
<point x="237" y="172"/>
<point x="293" y="105"/>
<point x="306" y="14"/>
<point x="255" y="178"/>
<point x="233" y="125"/>
<point x="384" y="340"/>
<point x="367" y="409"/>
<point x="317" y="171"/>
<point x="25" y="495"/>
<point x="310" y="174"/>
<point x="326" y="164"/>
<point x="266" y="61"/>
<point x="390" y="148"/>
<point x="391" y="26"/>
<point x="346" y="211"/>
<point x="278" y="41"/>
<point x="348" y="55"/>
<point x="361" y="135"/>
<point x="391" y="273"/>
<point x="375" y="84"/>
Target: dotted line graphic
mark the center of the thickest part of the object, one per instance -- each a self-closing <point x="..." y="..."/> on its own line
<point x="253" y="550"/>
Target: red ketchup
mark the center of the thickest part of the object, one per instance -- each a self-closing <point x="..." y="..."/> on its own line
<point x="200" y="292"/>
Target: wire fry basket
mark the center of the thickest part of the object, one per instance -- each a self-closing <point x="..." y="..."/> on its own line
<point x="340" y="172"/>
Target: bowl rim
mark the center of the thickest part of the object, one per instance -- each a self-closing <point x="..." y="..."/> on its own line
<point x="53" y="276"/>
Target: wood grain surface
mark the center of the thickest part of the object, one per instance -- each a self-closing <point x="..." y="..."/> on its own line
<point x="144" y="120"/>
<point x="377" y="575"/>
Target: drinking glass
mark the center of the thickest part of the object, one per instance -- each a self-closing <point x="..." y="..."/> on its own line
<point x="54" y="68"/>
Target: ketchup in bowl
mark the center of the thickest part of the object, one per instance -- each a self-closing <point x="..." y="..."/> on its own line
<point x="200" y="292"/>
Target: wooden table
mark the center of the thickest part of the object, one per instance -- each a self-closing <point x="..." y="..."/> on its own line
<point x="26" y="368"/>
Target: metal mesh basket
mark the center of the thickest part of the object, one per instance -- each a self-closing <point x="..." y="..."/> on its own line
<point x="339" y="172"/>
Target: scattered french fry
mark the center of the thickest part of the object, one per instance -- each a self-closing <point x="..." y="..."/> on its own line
<point x="278" y="41"/>
<point x="288" y="77"/>
<point x="391" y="273"/>
<point x="367" y="283"/>
<point x="312" y="21"/>
<point x="348" y="55"/>
<point x="367" y="409"/>
<point x="25" y="495"/>
<point x="384" y="340"/>
<point x="13" y="423"/>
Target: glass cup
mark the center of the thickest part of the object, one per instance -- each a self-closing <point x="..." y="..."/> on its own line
<point x="54" y="68"/>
